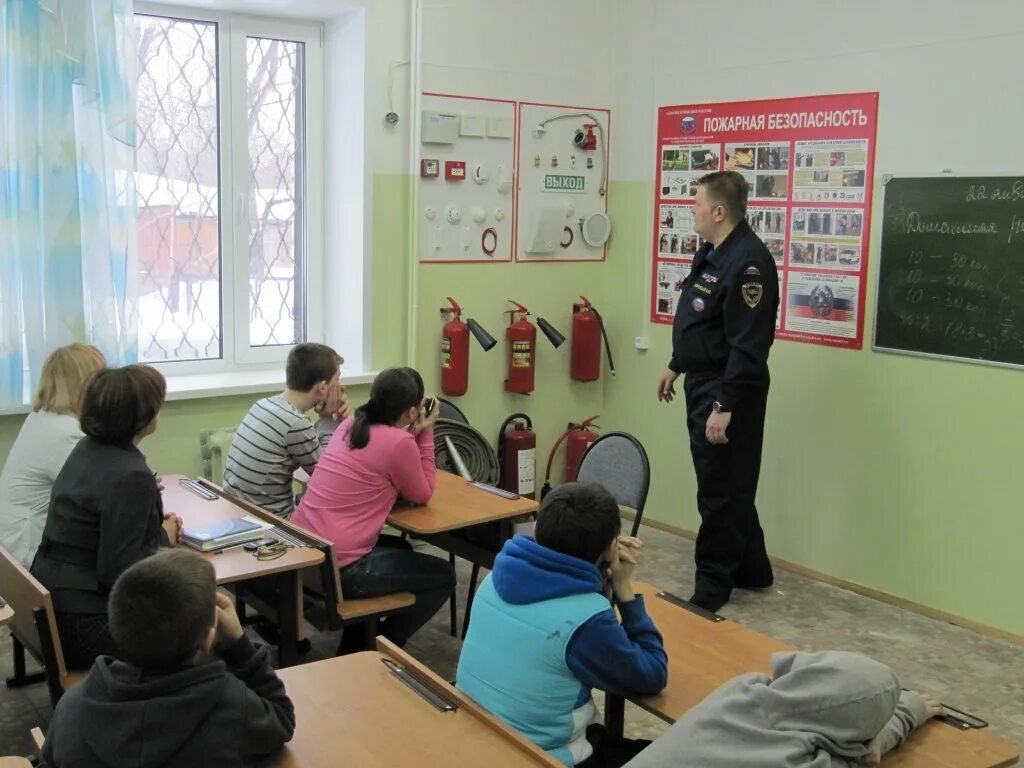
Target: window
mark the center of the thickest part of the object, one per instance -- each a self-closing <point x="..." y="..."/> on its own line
<point x="229" y="195"/>
<point x="178" y="190"/>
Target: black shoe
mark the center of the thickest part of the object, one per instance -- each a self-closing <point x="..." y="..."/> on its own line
<point x="754" y="583"/>
<point x="708" y="602"/>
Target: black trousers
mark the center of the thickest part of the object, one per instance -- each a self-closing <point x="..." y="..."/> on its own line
<point x="392" y="566"/>
<point x="730" y="542"/>
<point x="610" y="751"/>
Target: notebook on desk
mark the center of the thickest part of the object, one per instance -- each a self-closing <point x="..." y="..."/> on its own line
<point x="225" y="533"/>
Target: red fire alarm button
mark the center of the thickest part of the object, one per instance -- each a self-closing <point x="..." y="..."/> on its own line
<point x="429" y="168"/>
<point x="454" y="170"/>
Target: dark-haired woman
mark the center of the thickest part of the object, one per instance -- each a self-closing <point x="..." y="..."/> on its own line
<point x="385" y="451"/>
<point x="105" y="512"/>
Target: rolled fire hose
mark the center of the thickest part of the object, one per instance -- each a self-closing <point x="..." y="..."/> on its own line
<point x="477" y="454"/>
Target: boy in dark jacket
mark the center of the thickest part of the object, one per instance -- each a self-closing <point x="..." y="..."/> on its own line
<point x="159" y="707"/>
<point x="544" y="630"/>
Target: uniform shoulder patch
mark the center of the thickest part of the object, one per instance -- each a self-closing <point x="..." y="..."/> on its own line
<point x="752" y="270"/>
<point x="752" y="294"/>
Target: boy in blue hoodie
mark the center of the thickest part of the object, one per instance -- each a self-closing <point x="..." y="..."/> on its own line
<point x="544" y="630"/>
<point x="158" y="707"/>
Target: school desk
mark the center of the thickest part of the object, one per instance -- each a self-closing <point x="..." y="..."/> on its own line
<point x="354" y="710"/>
<point x="234" y="565"/>
<point x="704" y="653"/>
<point x="455" y="506"/>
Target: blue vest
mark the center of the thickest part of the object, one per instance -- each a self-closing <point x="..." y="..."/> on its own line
<point x="513" y="664"/>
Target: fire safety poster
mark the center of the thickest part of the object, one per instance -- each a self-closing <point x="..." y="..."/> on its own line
<point x="808" y="163"/>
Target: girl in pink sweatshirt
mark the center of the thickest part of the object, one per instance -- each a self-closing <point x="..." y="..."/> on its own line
<point x="385" y="451"/>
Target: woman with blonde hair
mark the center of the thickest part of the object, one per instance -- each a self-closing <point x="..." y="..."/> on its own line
<point x="42" y="446"/>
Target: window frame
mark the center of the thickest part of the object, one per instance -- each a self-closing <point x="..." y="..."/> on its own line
<point x="233" y="30"/>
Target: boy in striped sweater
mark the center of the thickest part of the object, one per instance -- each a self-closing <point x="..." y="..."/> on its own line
<point x="276" y="437"/>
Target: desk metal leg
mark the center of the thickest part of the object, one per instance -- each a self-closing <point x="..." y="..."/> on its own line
<point x="21" y="678"/>
<point x="469" y="599"/>
<point x="453" y="610"/>
<point x="288" y="618"/>
<point x="614" y="715"/>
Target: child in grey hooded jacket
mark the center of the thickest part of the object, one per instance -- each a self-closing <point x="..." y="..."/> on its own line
<point x="818" y="710"/>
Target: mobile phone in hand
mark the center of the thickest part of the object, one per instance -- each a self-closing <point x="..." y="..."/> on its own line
<point x="429" y="407"/>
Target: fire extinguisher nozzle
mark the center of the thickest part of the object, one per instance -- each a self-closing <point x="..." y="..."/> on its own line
<point x="482" y="336"/>
<point x="556" y="338"/>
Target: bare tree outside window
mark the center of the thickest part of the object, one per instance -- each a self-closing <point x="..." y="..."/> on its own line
<point x="276" y="254"/>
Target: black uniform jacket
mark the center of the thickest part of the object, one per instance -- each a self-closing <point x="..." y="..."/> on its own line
<point x="725" y="321"/>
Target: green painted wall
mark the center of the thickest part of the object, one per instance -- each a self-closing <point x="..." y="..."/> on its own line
<point x="893" y="472"/>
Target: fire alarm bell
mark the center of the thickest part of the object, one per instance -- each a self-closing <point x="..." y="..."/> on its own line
<point x="429" y="169"/>
<point x="454" y="170"/>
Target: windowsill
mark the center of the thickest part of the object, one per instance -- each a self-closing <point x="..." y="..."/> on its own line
<point x="201" y="385"/>
<point x="195" y="386"/>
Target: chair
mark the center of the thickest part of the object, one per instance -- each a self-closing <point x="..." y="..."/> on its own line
<point x="326" y="608"/>
<point x="37" y="744"/>
<point x="34" y="629"/>
<point x="618" y="462"/>
<point x="323" y="604"/>
<point x="450" y="410"/>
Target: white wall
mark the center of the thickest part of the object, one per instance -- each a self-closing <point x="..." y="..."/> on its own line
<point x="949" y="72"/>
<point x="530" y="50"/>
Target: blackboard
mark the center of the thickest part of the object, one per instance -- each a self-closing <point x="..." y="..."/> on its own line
<point x="951" y="268"/>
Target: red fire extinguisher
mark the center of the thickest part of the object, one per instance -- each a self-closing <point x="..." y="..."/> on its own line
<point x="455" y="348"/>
<point x="587" y="332"/>
<point x="517" y="455"/>
<point x="522" y="347"/>
<point x="454" y="351"/>
<point x="577" y="438"/>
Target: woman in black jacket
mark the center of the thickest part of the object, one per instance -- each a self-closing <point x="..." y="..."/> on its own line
<point x="105" y="512"/>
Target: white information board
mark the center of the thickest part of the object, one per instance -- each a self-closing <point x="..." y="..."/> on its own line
<point x="562" y="201"/>
<point x="467" y="179"/>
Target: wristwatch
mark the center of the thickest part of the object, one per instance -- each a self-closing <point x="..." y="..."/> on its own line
<point x="717" y="407"/>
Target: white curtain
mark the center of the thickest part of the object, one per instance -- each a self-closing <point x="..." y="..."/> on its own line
<point x="67" y="189"/>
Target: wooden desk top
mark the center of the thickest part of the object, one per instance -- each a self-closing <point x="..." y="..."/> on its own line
<point x="6" y="614"/>
<point x="234" y="564"/>
<point x="457" y="504"/>
<point x="351" y="711"/>
<point x="702" y="655"/>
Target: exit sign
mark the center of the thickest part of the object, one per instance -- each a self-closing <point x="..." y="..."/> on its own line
<point x="559" y="182"/>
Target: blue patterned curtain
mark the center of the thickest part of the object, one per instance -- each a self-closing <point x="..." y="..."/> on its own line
<point x="67" y="189"/>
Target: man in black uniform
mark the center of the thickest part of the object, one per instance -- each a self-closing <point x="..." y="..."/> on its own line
<point x="723" y="329"/>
